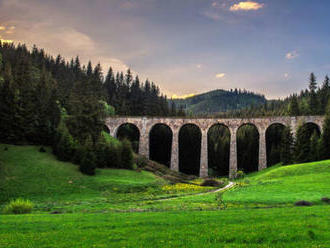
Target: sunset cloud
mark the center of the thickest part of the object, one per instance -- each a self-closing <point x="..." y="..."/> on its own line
<point x="292" y="55"/>
<point x="246" y="6"/>
<point x="220" y="75"/>
<point x="2" y="28"/>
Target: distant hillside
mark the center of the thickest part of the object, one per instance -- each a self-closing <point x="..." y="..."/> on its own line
<point x="217" y="101"/>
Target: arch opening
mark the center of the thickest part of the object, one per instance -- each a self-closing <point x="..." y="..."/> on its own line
<point x="160" y="144"/>
<point x="274" y="135"/>
<point x="218" y="146"/>
<point x="130" y="132"/>
<point x="190" y="137"/>
<point x="248" y="148"/>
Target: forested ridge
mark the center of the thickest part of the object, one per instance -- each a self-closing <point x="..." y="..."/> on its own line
<point x="219" y="101"/>
<point x="49" y="101"/>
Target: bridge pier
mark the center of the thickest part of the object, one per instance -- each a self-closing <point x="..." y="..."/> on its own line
<point x="203" y="169"/>
<point x="233" y="154"/>
<point x="174" y="151"/>
<point x="262" y="150"/>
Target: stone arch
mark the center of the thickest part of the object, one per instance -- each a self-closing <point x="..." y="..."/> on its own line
<point x="316" y="126"/>
<point x="273" y="142"/>
<point x="131" y="132"/>
<point x="248" y="139"/>
<point x="218" y="146"/>
<point x="190" y="138"/>
<point x="160" y="143"/>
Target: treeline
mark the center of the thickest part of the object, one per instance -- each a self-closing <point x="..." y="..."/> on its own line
<point x="311" y="101"/>
<point x="49" y="101"/>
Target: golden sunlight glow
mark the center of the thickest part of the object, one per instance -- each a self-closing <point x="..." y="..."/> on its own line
<point x="248" y="5"/>
<point x="183" y="96"/>
<point x="2" y="28"/>
<point x="6" y="41"/>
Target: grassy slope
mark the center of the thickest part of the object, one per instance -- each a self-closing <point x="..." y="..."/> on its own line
<point x="39" y="177"/>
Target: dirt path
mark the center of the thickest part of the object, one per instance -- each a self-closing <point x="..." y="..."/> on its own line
<point x="228" y="186"/>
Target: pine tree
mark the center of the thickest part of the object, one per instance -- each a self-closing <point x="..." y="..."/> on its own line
<point x="302" y="145"/>
<point x="293" y="106"/>
<point x="286" y="152"/>
<point x="313" y="101"/>
<point x="324" y="95"/>
<point x="314" y="147"/>
<point x="325" y="138"/>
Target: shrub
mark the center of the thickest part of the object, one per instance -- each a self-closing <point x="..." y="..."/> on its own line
<point x="18" y="206"/>
<point x="212" y="183"/>
<point x="88" y="163"/>
<point x="6" y="148"/>
<point x="141" y="161"/>
<point x="239" y="174"/>
<point x="219" y="200"/>
<point x="303" y="203"/>
<point x="325" y="199"/>
<point x="127" y="155"/>
<point x="42" y="149"/>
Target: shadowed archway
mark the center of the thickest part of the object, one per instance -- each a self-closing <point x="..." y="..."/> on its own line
<point x="248" y="148"/>
<point x="190" y="149"/>
<point x="218" y="143"/>
<point x="274" y="137"/>
<point x="160" y="144"/>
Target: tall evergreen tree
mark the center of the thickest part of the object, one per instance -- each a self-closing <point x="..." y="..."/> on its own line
<point x="325" y="138"/>
<point x="313" y="101"/>
<point x="293" y="106"/>
<point x="286" y="152"/>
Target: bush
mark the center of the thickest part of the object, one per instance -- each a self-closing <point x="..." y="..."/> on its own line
<point x="212" y="183"/>
<point x="42" y="149"/>
<point x="141" y="161"/>
<point x="18" y="206"/>
<point x="239" y="174"/>
<point x="88" y="163"/>
<point x="303" y="203"/>
<point x="127" y="155"/>
<point x="325" y="199"/>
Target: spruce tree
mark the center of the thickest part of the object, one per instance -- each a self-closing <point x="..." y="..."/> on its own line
<point x="302" y="145"/>
<point x="286" y="152"/>
<point x="314" y="147"/>
<point x="325" y="138"/>
<point x="294" y="107"/>
<point x="313" y="101"/>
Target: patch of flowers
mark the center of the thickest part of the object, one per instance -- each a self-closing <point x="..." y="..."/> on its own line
<point x="184" y="188"/>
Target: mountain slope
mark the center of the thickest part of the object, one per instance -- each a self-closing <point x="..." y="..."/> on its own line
<point x="219" y="101"/>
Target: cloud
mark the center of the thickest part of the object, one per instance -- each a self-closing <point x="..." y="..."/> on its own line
<point x="199" y="66"/>
<point x="246" y="6"/>
<point x="2" y="28"/>
<point x="220" y="75"/>
<point x="292" y="55"/>
<point x="286" y="75"/>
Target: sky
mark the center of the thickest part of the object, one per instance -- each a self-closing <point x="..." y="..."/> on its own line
<point x="184" y="46"/>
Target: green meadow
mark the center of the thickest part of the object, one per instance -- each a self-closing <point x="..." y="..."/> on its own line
<point x="120" y="208"/>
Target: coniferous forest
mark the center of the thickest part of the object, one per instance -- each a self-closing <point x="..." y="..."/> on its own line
<point x="49" y="101"/>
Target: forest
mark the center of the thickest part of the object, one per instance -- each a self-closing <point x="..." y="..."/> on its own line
<point x="49" y="101"/>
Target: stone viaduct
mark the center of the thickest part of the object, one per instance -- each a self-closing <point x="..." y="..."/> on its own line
<point x="145" y="124"/>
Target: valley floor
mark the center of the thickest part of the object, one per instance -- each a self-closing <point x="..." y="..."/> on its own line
<point x="118" y="208"/>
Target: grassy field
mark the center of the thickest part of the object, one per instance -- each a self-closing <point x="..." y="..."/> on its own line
<point x="119" y="208"/>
